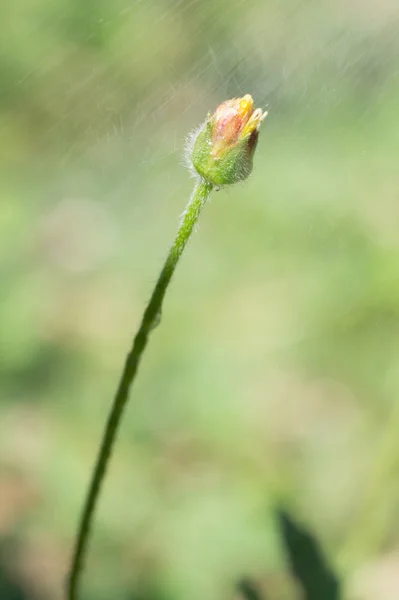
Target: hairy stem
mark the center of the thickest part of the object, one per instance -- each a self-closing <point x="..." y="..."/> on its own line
<point x="149" y="321"/>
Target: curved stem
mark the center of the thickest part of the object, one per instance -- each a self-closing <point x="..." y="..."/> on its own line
<point x="149" y="321"/>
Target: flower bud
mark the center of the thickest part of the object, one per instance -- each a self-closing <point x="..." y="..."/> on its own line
<point x="223" y="148"/>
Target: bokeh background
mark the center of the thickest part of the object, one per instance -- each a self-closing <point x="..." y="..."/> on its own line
<point x="274" y="376"/>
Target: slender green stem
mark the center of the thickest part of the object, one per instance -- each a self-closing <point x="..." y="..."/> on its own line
<point x="150" y="320"/>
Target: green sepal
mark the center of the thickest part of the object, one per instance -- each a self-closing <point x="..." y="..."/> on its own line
<point x="233" y="165"/>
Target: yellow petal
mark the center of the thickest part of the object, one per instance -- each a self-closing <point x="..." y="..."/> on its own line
<point x="246" y="105"/>
<point x="254" y="122"/>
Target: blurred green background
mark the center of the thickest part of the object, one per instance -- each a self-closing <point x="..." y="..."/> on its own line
<point x="274" y="376"/>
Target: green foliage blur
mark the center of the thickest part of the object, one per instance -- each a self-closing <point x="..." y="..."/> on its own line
<point x="274" y="376"/>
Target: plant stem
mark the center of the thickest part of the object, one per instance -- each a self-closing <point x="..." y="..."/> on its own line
<point x="149" y="321"/>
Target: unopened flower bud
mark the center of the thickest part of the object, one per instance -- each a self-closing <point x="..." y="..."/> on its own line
<point x="223" y="148"/>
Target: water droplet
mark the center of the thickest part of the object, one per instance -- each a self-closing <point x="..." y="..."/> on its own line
<point x="156" y="321"/>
